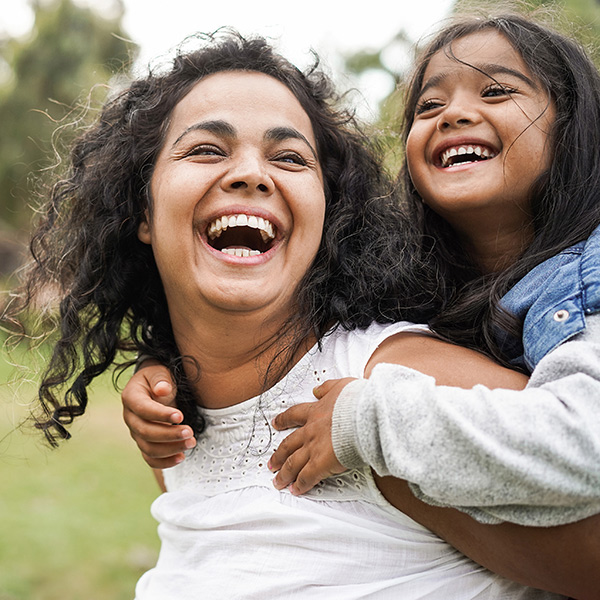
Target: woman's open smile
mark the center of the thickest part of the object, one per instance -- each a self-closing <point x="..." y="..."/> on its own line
<point x="237" y="193"/>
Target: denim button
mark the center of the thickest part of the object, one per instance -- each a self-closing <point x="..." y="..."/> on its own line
<point x="561" y="315"/>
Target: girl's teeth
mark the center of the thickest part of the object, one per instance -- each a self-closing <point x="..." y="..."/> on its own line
<point x="462" y="150"/>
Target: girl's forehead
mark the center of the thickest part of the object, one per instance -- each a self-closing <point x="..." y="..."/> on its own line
<point x="483" y="50"/>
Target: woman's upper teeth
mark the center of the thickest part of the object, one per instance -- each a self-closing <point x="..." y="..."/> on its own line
<point x="474" y="151"/>
<point x="220" y="224"/>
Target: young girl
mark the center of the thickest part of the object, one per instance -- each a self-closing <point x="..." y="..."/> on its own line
<point x="502" y="169"/>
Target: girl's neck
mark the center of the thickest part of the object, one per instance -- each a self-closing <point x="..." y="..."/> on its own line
<point x="235" y="354"/>
<point x="496" y="247"/>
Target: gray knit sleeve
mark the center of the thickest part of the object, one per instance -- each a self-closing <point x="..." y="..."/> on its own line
<point x="530" y="457"/>
<point x="343" y="425"/>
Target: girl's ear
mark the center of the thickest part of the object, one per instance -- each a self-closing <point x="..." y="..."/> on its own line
<point x="144" y="232"/>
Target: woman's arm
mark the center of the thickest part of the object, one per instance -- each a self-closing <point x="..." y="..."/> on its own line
<point x="563" y="559"/>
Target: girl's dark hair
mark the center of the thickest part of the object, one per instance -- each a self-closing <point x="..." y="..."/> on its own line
<point x="564" y="200"/>
<point x="86" y="250"/>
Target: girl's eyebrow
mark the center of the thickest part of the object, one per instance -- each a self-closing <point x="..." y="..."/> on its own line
<point x="489" y="69"/>
<point x="225" y="129"/>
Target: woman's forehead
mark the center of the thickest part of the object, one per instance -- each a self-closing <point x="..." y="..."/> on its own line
<point x="241" y="95"/>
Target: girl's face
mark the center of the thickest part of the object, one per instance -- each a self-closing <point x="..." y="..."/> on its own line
<point x="238" y="200"/>
<point x="480" y="137"/>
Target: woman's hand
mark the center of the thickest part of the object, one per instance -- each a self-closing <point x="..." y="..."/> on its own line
<point x="306" y="456"/>
<point x="148" y="411"/>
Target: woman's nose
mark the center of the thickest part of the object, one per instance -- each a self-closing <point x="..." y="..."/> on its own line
<point x="248" y="175"/>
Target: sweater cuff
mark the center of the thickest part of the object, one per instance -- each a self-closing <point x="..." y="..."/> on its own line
<point x="343" y="428"/>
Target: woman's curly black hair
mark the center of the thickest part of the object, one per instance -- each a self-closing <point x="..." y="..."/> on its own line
<point x="87" y="252"/>
<point x="564" y="202"/>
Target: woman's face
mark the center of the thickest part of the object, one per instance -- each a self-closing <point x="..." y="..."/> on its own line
<point x="480" y="136"/>
<point x="237" y="198"/>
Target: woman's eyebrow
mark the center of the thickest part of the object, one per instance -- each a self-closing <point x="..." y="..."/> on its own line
<point x="280" y="134"/>
<point x="218" y="127"/>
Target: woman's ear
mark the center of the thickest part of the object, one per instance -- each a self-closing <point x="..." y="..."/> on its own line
<point x="144" y="233"/>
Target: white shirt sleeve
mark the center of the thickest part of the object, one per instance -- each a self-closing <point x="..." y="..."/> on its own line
<point x="530" y="457"/>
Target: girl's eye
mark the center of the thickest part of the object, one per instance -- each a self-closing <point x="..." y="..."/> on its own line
<point x="495" y="89"/>
<point x="290" y="157"/>
<point x="426" y="105"/>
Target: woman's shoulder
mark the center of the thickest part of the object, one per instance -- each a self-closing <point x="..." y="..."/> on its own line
<point x="348" y="351"/>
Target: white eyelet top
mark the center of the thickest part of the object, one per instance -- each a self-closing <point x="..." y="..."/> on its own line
<point x="228" y="534"/>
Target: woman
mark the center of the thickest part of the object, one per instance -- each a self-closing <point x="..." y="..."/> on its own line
<point x="223" y="218"/>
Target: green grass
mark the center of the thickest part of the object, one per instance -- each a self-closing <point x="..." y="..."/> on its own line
<point x="75" y="522"/>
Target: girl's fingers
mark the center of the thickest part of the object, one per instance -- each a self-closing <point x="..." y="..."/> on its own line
<point x="290" y="469"/>
<point x="164" y="463"/>
<point x="306" y="480"/>
<point x="293" y="417"/>
<point x="155" y="432"/>
<point x="326" y="387"/>
<point x="284" y="460"/>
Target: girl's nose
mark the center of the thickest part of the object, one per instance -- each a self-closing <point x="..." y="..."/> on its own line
<point x="458" y="113"/>
<point x="248" y="175"/>
<point x="446" y="123"/>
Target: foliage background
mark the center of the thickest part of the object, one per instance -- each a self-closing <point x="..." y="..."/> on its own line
<point x="75" y="522"/>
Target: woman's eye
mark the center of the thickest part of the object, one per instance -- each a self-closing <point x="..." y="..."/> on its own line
<point x="291" y="158"/>
<point x="426" y="105"/>
<point x="205" y="150"/>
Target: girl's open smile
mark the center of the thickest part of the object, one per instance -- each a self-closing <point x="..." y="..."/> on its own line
<point x="480" y="136"/>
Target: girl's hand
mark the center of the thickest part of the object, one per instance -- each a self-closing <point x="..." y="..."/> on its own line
<point x="306" y="456"/>
<point x="148" y="411"/>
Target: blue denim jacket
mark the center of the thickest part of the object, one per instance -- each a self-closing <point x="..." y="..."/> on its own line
<point x="553" y="299"/>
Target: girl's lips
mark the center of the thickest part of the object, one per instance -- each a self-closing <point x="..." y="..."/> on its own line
<point x="462" y="150"/>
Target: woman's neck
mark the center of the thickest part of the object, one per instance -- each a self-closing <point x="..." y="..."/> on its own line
<point x="235" y="354"/>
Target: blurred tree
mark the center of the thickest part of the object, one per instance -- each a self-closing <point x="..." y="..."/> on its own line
<point x="43" y="77"/>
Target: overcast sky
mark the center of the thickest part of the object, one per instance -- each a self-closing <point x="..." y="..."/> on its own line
<point x="328" y="27"/>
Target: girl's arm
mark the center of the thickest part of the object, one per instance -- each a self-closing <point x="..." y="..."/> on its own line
<point x="530" y="457"/>
<point x="154" y="422"/>
<point x="561" y="559"/>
